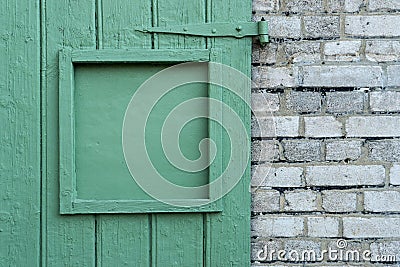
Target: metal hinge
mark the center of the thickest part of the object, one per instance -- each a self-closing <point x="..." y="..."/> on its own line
<point x="237" y="30"/>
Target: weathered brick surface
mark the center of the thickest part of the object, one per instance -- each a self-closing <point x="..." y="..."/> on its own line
<point x="373" y="126"/>
<point x="345" y="175"/>
<point x="361" y="227"/>
<point x="338" y="6"/>
<point x="303" y="102"/>
<point x="271" y="77"/>
<point x="296" y="6"/>
<point x="382" y="51"/>
<point x="393" y="75"/>
<point x="265" y="150"/>
<point x="264" y="103"/>
<point x="384" y="5"/>
<point x="345" y="102"/>
<point x="301" y="52"/>
<point x="343" y="150"/>
<point x="385" y="101"/>
<point x="323" y="226"/>
<point x="277" y="177"/>
<point x="323" y="126"/>
<point x="284" y="27"/>
<point x="382" y="201"/>
<point x="373" y="26"/>
<point x="342" y="51"/>
<point x="302" y="150"/>
<point x="339" y="201"/>
<point x="321" y="26"/>
<point x="278" y="226"/>
<point x="395" y="174"/>
<point x="384" y="150"/>
<point x="265" y="201"/>
<point x="284" y="126"/>
<point x="301" y="200"/>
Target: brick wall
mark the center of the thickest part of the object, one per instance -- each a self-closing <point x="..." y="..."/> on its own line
<point x="326" y="144"/>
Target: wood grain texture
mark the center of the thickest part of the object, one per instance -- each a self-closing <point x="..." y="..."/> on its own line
<point x="68" y="240"/>
<point x="19" y="133"/>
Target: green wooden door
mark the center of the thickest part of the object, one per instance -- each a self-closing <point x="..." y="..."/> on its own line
<point x="67" y="231"/>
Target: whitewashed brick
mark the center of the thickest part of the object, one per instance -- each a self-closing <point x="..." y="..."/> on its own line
<point x="384" y="150"/>
<point x="296" y="6"/>
<point x="277" y="177"/>
<point x="321" y="26"/>
<point x="301" y="200"/>
<point x="265" y="150"/>
<point x="376" y="227"/>
<point x="343" y="150"/>
<point x="373" y="26"/>
<point x="345" y="102"/>
<point x="341" y="76"/>
<point x="385" y="248"/>
<point x="393" y="75"/>
<point x="339" y="201"/>
<point x="265" y="201"/>
<point x="385" y="101"/>
<point x="322" y="126"/>
<point x="264" y="54"/>
<point x="373" y="126"/>
<point x="284" y="26"/>
<point x="338" y="6"/>
<point x="323" y="226"/>
<point x="382" y="201"/>
<point x="353" y="5"/>
<point x="304" y="52"/>
<point x="382" y="50"/>
<point x="265" y="5"/>
<point x="303" y="101"/>
<point x="342" y="51"/>
<point x="375" y="5"/>
<point x="274" y="77"/>
<point x="285" y="126"/>
<point x="302" y="150"/>
<point x="395" y="175"/>
<point x="345" y="175"/>
<point x="303" y="245"/>
<point x="282" y="226"/>
<point x="264" y="103"/>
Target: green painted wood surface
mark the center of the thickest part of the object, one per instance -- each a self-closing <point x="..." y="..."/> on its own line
<point x="19" y="133"/>
<point x="32" y="231"/>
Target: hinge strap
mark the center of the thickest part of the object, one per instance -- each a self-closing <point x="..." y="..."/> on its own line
<point x="237" y="30"/>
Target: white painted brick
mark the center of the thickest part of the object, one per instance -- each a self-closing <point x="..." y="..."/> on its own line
<point x="394" y="75"/>
<point x="353" y="5"/>
<point x="302" y="52"/>
<point x="375" y="5"/>
<point x="385" y="101"/>
<point x="382" y="50"/>
<point x="321" y="26"/>
<point x="339" y="201"/>
<point x="370" y="26"/>
<point x="302" y="150"/>
<point x="343" y="149"/>
<point x="264" y="103"/>
<point x="395" y="175"/>
<point x="265" y="5"/>
<point x="285" y="126"/>
<point x="323" y="126"/>
<point x="296" y="6"/>
<point x="342" y="76"/>
<point x="345" y="102"/>
<point x="283" y="26"/>
<point x="376" y="227"/>
<point x="384" y="150"/>
<point x="264" y="54"/>
<point x="265" y="150"/>
<point x="276" y="177"/>
<point x="301" y="200"/>
<point x="303" y="245"/>
<point x="265" y="201"/>
<point x="345" y="175"/>
<point x="303" y="101"/>
<point x="338" y="6"/>
<point x="323" y="227"/>
<point x="385" y="248"/>
<point x="373" y="126"/>
<point x="382" y="201"/>
<point x="274" y="77"/>
<point x="282" y="226"/>
<point x="342" y="51"/>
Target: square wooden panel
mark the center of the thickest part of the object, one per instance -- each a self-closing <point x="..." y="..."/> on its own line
<point x="95" y="88"/>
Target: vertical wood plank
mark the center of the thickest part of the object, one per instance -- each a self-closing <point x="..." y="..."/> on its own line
<point x="19" y="133"/>
<point x="123" y="240"/>
<point x="178" y="238"/>
<point x="70" y="240"/>
<point x="230" y="231"/>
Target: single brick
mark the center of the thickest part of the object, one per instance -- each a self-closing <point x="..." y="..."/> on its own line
<point x="341" y="76"/>
<point x="296" y="6"/>
<point x="373" y="126"/>
<point x="392" y="5"/>
<point x="283" y="26"/>
<point x="264" y="54"/>
<point x="341" y="102"/>
<point x="323" y="226"/>
<point x="343" y="150"/>
<point x="382" y="201"/>
<point x="382" y="51"/>
<point x="385" y="248"/>
<point x="322" y="126"/>
<point x="302" y="52"/>
<point x="302" y="150"/>
<point x="303" y="101"/>
<point x="338" y="6"/>
<point x="339" y="201"/>
<point x="393" y="75"/>
<point x="301" y="200"/>
<point x="274" y="77"/>
<point x="264" y="103"/>
<point x="303" y="245"/>
<point x="282" y="226"/>
<point x="395" y="175"/>
<point x="265" y="150"/>
<point x="265" y="5"/>
<point x="376" y="227"/>
<point x="321" y="26"/>
<point x="266" y="176"/>
<point x="265" y="201"/>
<point x="373" y="26"/>
<point x="386" y="150"/>
<point x="285" y="126"/>
<point x="385" y="101"/>
<point x="342" y="51"/>
<point x="345" y="175"/>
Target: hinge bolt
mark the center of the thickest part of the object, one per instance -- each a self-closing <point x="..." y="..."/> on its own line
<point x="185" y="29"/>
<point x="239" y="28"/>
<point x="214" y="30"/>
